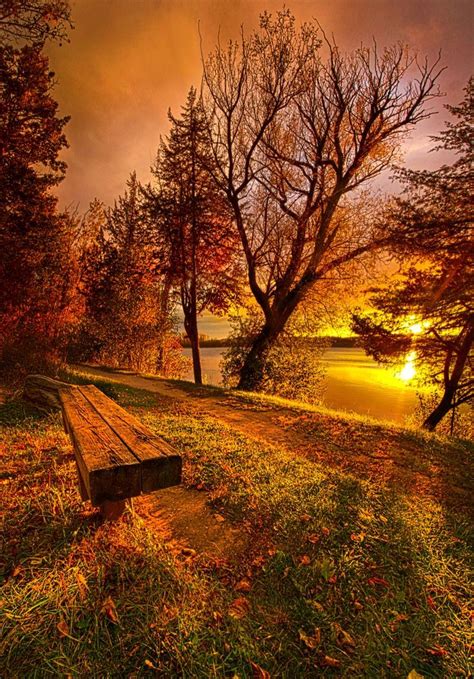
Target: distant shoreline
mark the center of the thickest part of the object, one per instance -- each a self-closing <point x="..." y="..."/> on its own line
<point x="335" y="342"/>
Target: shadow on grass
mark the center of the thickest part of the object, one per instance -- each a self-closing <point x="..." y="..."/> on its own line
<point x="16" y="412"/>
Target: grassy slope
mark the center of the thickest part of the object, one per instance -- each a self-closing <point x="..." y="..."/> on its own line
<point x="344" y="575"/>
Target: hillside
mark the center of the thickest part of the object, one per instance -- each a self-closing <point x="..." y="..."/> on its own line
<point x="303" y="542"/>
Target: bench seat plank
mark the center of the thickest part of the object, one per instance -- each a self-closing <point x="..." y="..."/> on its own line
<point x="107" y="467"/>
<point x="160" y="464"/>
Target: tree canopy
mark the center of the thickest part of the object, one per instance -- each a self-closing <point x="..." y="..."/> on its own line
<point x="296" y="127"/>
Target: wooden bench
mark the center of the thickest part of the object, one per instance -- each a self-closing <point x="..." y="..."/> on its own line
<point x="117" y="456"/>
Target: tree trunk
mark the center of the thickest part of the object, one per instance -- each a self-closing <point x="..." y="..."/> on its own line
<point x="442" y="409"/>
<point x="191" y="327"/>
<point x="252" y="371"/>
<point x="451" y="383"/>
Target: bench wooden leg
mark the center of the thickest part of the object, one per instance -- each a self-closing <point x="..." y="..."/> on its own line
<point x="111" y="511"/>
<point x="82" y="487"/>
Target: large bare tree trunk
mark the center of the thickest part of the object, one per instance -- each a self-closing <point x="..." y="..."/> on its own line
<point x="442" y="409"/>
<point x="252" y="371"/>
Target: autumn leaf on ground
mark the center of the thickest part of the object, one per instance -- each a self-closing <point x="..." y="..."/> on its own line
<point x="108" y="609"/>
<point x="62" y="628"/>
<point x="414" y="675"/>
<point x="304" y="560"/>
<point x="314" y="538"/>
<point x="358" y="537"/>
<point x="82" y="585"/>
<point x="375" y="580"/>
<point x="437" y="651"/>
<point x="149" y="664"/>
<point x="311" y="641"/>
<point x="259" y="672"/>
<point x="243" y="586"/>
<point x="343" y="637"/>
<point x="239" y="608"/>
<point x="305" y="517"/>
<point x="259" y="561"/>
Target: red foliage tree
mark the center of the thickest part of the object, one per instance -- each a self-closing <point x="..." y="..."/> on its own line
<point x="31" y="232"/>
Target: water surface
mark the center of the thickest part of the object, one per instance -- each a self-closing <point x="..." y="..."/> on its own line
<point x="353" y="382"/>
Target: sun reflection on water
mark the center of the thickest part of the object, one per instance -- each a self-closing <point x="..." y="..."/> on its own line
<point x="408" y="371"/>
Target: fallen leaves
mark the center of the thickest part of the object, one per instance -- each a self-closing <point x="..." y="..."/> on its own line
<point x="259" y="672"/>
<point x="63" y="628"/>
<point x="243" y="586"/>
<point x="304" y="560"/>
<point x="358" y="537"/>
<point x="82" y="586"/>
<point x="239" y="608"/>
<point x="437" y="651"/>
<point x="311" y="641"/>
<point x="414" y="675"/>
<point x="314" y="538"/>
<point x="328" y="661"/>
<point x="109" y="610"/>
<point x="401" y="617"/>
<point x="18" y="571"/>
<point x="343" y="638"/>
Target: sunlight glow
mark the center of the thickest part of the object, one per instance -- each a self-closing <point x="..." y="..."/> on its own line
<point x="416" y="328"/>
<point x="408" y="371"/>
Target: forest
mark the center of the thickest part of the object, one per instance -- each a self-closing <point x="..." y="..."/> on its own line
<point x="258" y="201"/>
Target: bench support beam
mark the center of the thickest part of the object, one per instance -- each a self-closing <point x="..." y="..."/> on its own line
<point x="111" y="511"/>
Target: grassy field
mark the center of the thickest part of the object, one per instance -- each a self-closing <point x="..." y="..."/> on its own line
<point x="347" y="572"/>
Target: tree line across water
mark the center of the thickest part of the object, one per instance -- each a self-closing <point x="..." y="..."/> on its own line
<point x="259" y="200"/>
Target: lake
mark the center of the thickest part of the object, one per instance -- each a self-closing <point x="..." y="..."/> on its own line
<point x="353" y="382"/>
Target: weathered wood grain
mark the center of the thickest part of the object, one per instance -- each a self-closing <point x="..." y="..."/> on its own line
<point x="43" y="391"/>
<point x="107" y="467"/>
<point x="160" y="464"/>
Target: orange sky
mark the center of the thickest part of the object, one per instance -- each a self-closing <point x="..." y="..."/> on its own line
<point x="129" y="60"/>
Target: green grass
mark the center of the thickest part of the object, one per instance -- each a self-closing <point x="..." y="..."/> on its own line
<point x="347" y="575"/>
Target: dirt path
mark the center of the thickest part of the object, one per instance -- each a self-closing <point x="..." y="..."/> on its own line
<point x="383" y="455"/>
<point x="256" y="422"/>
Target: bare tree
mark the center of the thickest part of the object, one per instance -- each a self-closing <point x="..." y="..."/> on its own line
<point x="34" y="21"/>
<point x="293" y="134"/>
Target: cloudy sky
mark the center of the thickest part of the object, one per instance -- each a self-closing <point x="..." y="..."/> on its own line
<point x="128" y="61"/>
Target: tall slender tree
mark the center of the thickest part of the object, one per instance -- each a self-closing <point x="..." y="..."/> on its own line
<point x="194" y="229"/>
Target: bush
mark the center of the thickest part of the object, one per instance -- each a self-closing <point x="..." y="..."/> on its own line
<point x="293" y="367"/>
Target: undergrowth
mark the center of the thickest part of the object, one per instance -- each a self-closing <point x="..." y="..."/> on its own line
<point x="342" y="575"/>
